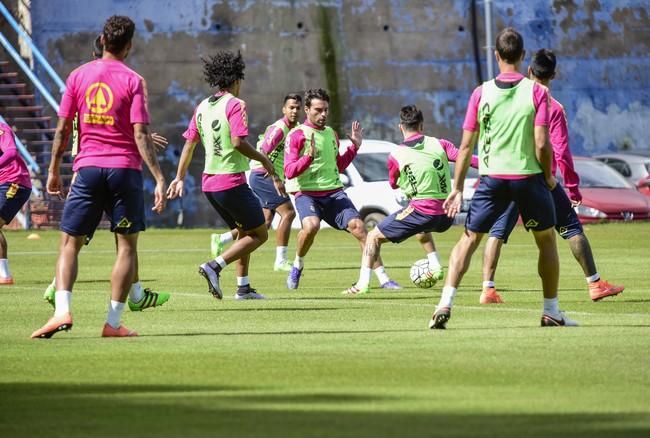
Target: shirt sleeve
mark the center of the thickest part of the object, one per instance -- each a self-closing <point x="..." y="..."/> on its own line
<point x="393" y="171"/>
<point x="452" y="152"/>
<point x="343" y="161"/>
<point x="7" y="146"/>
<point x="559" y="134"/>
<point x="541" y="102"/>
<point x="68" y="107"/>
<point x="294" y="164"/>
<point x="192" y="133"/>
<point x="139" y="109"/>
<point x="272" y="139"/>
<point x="237" y="118"/>
<point x="471" y="116"/>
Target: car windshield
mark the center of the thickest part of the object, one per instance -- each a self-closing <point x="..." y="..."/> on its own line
<point x="594" y="174"/>
<point x="372" y="167"/>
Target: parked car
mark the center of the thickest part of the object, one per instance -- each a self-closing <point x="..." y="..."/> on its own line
<point x="634" y="167"/>
<point x="606" y="195"/>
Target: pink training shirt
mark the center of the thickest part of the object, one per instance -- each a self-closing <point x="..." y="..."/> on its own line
<point x="540" y="101"/>
<point x="271" y="141"/>
<point x="110" y="98"/>
<point x="12" y="166"/>
<point x="425" y="206"/>
<point x="562" y="158"/>
<point x="238" y="121"/>
<point x="294" y="164"/>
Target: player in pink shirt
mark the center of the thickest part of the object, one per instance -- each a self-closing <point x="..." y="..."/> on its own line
<point x="15" y="189"/>
<point x="113" y="140"/>
<point x="542" y="70"/>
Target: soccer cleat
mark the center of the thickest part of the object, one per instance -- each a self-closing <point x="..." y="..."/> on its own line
<point x="601" y="289"/>
<point x="284" y="266"/>
<point x="209" y="271"/>
<point x="490" y="296"/>
<point x="216" y="247"/>
<point x="354" y="290"/>
<point x="48" y="295"/>
<point x="391" y="284"/>
<point x="440" y="318"/>
<point x="6" y="280"/>
<point x="248" y="293"/>
<point x="293" y="279"/>
<point x="150" y="299"/>
<point x="563" y="321"/>
<point x="53" y="326"/>
<point x="437" y="274"/>
<point x="121" y="332"/>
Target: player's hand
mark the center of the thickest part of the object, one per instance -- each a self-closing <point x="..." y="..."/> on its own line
<point x="54" y="185"/>
<point x="279" y="186"/>
<point x="159" y="200"/>
<point x="159" y="141"/>
<point x="312" y="147"/>
<point x="356" y="137"/>
<point x="575" y="202"/>
<point x="453" y="203"/>
<point x="551" y="182"/>
<point x="175" y="189"/>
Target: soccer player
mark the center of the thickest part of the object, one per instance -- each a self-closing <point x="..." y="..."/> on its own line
<point x="542" y="70"/>
<point x="271" y="144"/>
<point x="139" y="298"/>
<point x="509" y="117"/>
<point x="114" y="140"/>
<point x="220" y="123"/>
<point x="419" y="167"/>
<point x="15" y="189"/>
<point x="312" y="165"/>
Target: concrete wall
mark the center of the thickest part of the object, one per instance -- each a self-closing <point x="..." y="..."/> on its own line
<point x="374" y="56"/>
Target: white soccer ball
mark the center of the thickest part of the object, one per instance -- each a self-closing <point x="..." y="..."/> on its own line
<point x="421" y="275"/>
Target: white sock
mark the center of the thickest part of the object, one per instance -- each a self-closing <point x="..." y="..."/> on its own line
<point x="221" y="262"/>
<point x="243" y="281"/>
<point x="447" y="297"/>
<point x="280" y="254"/>
<point x="299" y="263"/>
<point x="487" y="284"/>
<point x="4" y="268"/>
<point x="593" y="278"/>
<point x="115" y="309"/>
<point x="364" y="277"/>
<point x="552" y="307"/>
<point x="62" y="299"/>
<point x="226" y="237"/>
<point x="380" y="272"/>
<point x="136" y="293"/>
<point x="434" y="261"/>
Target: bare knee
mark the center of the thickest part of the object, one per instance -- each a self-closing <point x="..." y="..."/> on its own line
<point x="311" y="225"/>
<point x="357" y="228"/>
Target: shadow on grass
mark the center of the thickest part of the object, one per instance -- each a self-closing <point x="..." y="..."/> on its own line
<point x="33" y="409"/>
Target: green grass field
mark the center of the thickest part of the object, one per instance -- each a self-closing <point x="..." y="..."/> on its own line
<point x="312" y="363"/>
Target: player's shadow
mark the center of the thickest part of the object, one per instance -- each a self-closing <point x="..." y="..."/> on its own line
<point x="284" y="333"/>
<point x="264" y="309"/>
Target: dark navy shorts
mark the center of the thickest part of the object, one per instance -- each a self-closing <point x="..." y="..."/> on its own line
<point x="238" y="206"/>
<point x="96" y="190"/>
<point x="494" y="195"/>
<point x="12" y="199"/>
<point x="265" y="190"/>
<point x="567" y="222"/>
<point x="336" y="209"/>
<point x="408" y="222"/>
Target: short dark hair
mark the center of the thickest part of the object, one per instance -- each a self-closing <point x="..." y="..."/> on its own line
<point x="295" y="96"/>
<point x="411" y="117"/>
<point x="223" y="69"/>
<point x="543" y="64"/>
<point x="98" y="49"/>
<point x="316" y="93"/>
<point x="510" y="45"/>
<point x="118" y="32"/>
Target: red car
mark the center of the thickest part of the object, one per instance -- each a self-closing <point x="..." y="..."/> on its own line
<point x="606" y="195"/>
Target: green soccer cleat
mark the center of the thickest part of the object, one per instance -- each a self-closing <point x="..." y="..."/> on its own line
<point x="150" y="299"/>
<point x="438" y="275"/>
<point x="48" y="295"/>
<point x="354" y="290"/>
<point x="283" y="266"/>
<point x="216" y="247"/>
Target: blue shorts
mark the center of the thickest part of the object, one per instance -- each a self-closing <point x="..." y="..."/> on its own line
<point x="567" y="222"/>
<point x="336" y="209"/>
<point x="408" y="222"/>
<point x="494" y="195"/>
<point x="238" y="206"/>
<point x="12" y="199"/>
<point x="265" y="190"/>
<point x="96" y="190"/>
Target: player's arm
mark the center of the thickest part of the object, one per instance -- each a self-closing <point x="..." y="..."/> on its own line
<point x="294" y="163"/>
<point x="246" y="149"/>
<point x="544" y="154"/>
<point x="148" y="153"/>
<point x="454" y="200"/>
<point x="559" y="137"/>
<point x="356" y="137"/>
<point x="176" y="186"/>
<point x="393" y="172"/>
<point x="61" y="139"/>
<point x="7" y="148"/>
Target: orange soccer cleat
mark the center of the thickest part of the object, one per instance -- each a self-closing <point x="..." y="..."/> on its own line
<point x="120" y="332"/>
<point x="601" y="289"/>
<point x="53" y="326"/>
<point x="490" y="296"/>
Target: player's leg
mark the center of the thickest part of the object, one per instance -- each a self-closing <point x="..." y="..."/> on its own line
<point x="244" y="289"/>
<point x="122" y="277"/>
<point x="218" y="241"/>
<point x="283" y="232"/>
<point x="5" y="273"/>
<point x="369" y="258"/>
<point x="309" y="210"/>
<point x="499" y="234"/>
<point x="429" y="247"/>
<point x="12" y="199"/>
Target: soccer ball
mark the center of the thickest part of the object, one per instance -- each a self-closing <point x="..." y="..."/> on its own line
<point x="420" y="274"/>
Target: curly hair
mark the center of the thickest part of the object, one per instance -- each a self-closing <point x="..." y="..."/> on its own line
<point x="98" y="49"/>
<point x="223" y="69"/>
<point x="410" y="117"/>
<point x="118" y="32"/>
<point x="317" y="93"/>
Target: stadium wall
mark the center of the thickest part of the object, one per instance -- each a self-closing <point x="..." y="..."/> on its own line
<point x="375" y="56"/>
